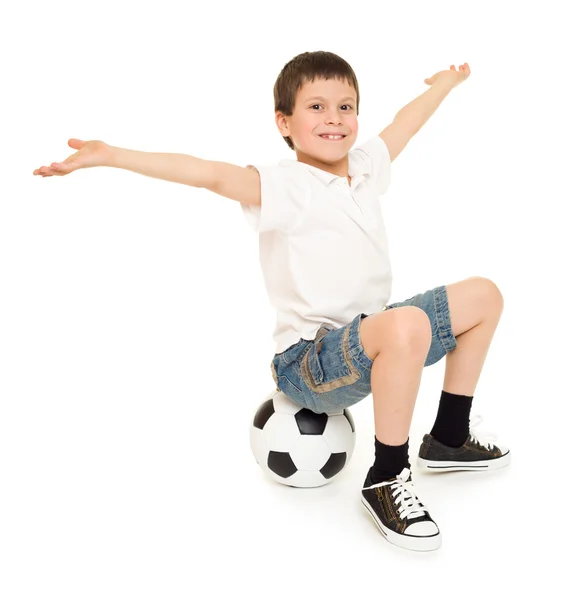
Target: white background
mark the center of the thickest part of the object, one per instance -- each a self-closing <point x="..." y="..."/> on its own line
<point x="135" y="330"/>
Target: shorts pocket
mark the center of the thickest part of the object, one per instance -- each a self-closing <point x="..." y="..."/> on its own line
<point x="327" y="365"/>
<point x="286" y="386"/>
<point x="283" y="372"/>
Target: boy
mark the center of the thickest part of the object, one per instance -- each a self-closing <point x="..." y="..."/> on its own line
<point x="324" y="255"/>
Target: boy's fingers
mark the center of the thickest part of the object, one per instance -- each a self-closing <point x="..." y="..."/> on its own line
<point x="46" y="171"/>
<point x="50" y="171"/>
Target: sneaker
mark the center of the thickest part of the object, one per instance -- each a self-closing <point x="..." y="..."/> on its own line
<point x="399" y="514"/>
<point x="478" y="453"/>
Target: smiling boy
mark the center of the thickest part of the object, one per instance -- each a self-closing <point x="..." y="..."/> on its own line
<point x="325" y="259"/>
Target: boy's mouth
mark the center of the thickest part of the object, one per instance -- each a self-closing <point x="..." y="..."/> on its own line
<point x="332" y="138"/>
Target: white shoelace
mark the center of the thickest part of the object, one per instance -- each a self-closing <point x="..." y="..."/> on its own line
<point x="404" y="495"/>
<point x="485" y="439"/>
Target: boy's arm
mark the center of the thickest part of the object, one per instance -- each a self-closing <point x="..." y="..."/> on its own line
<point x="232" y="181"/>
<point x="238" y="183"/>
<point x="409" y="120"/>
<point x="396" y="136"/>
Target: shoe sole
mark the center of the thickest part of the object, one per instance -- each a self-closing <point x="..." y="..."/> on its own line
<point x="450" y="465"/>
<point x="409" y="542"/>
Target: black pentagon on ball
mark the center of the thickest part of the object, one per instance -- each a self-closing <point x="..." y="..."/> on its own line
<point x="263" y="414"/>
<point x="281" y="464"/>
<point x="334" y="465"/>
<point x="311" y="423"/>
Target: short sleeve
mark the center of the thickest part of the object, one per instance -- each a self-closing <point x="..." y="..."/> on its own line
<point x="374" y="153"/>
<point x="284" y="195"/>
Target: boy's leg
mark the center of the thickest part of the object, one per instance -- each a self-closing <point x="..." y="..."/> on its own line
<point x="398" y="342"/>
<point x="475" y="306"/>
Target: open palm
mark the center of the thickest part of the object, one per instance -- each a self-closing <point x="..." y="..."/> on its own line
<point x="93" y="153"/>
<point x="452" y="75"/>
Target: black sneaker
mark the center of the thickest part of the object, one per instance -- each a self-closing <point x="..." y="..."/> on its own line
<point x="399" y="514"/>
<point x="478" y="453"/>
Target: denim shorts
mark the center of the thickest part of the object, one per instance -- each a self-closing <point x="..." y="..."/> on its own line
<point x="332" y="372"/>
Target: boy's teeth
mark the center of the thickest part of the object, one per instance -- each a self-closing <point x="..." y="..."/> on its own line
<point x="332" y="137"/>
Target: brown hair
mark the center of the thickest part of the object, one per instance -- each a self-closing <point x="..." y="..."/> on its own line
<point x="307" y="67"/>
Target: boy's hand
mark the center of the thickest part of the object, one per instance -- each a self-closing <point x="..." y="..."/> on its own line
<point x="90" y="154"/>
<point x="452" y="76"/>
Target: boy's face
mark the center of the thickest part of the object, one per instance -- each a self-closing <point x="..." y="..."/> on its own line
<point x="322" y="106"/>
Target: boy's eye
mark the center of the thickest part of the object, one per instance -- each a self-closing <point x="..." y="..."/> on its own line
<point x="320" y="105"/>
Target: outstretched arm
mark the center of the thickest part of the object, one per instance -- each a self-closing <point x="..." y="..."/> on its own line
<point x="232" y="181"/>
<point x="409" y="120"/>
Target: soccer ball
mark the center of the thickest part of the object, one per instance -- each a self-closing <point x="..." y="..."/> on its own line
<point x="299" y="447"/>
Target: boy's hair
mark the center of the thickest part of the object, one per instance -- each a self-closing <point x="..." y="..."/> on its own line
<point x="307" y="67"/>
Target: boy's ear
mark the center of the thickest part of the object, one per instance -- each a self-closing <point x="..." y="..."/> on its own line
<point x="280" y="120"/>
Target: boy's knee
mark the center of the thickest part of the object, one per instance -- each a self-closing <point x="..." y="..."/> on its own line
<point x="410" y="327"/>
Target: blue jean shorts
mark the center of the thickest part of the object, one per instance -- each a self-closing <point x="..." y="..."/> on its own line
<point x="332" y="372"/>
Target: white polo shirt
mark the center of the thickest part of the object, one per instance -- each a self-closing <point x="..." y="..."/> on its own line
<point x="322" y="243"/>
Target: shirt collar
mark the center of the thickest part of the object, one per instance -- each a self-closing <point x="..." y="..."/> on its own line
<point x="327" y="178"/>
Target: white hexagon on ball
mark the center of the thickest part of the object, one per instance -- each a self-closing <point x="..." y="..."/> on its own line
<point x="310" y="453"/>
<point x="281" y="432"/>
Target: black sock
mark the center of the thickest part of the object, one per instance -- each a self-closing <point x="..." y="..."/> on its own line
<point x="452" y="424"/>
<point x="389" y="461"/>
